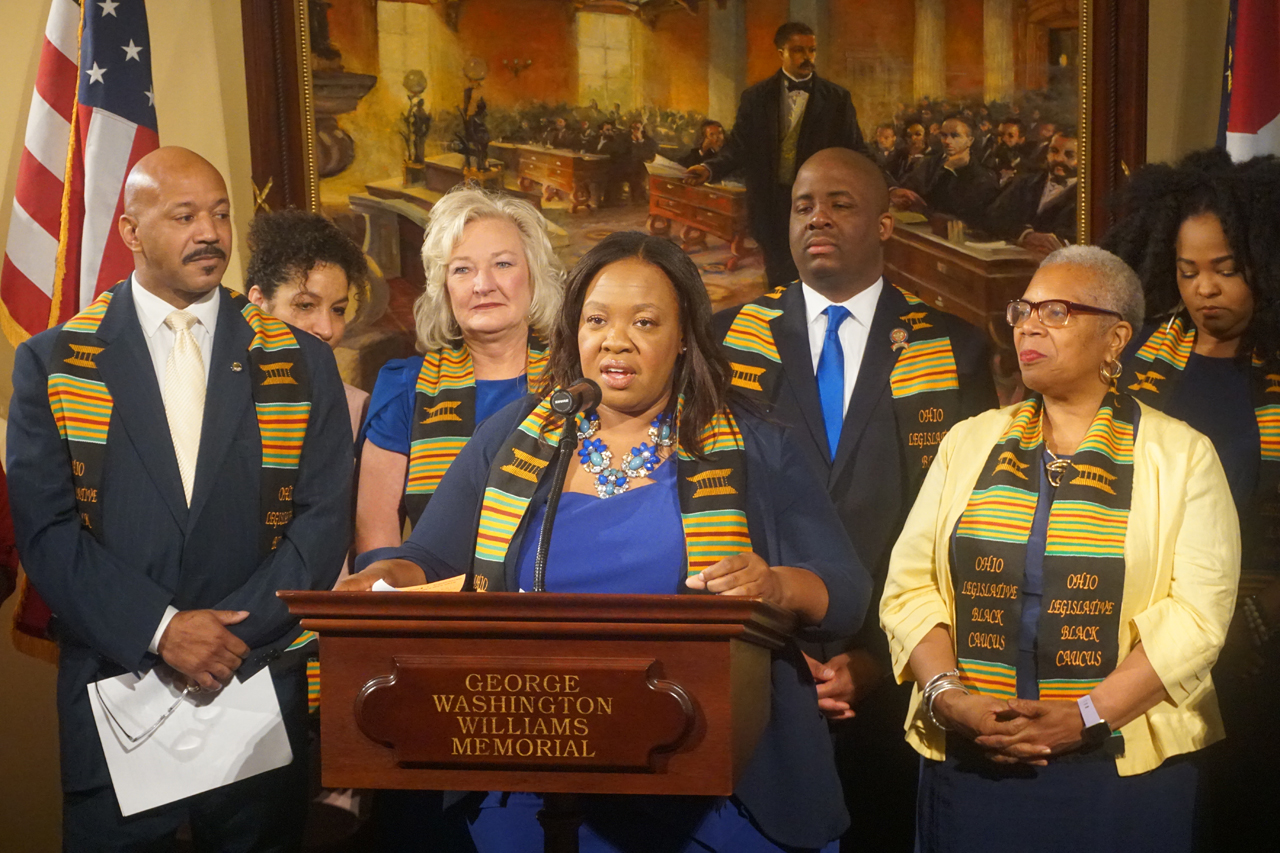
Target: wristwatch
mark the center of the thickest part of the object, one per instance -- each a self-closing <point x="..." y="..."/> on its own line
<point x="1096" y="730"/>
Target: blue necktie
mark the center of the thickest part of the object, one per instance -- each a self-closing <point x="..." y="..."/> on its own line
<point x="831" y="376"/>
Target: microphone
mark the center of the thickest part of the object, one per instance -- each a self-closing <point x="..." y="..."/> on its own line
<point x="567" y="402"/>
<point x="582" y="395"/>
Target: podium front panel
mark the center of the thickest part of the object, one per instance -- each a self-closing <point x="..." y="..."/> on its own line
<point x="520" y="692"/>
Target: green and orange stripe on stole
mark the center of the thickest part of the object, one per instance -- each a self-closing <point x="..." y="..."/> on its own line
<point x="82" y="405"/>
<point x="1001" y="512"/>
<point x="1153" y="375"/>
<point x="924" y="382"/>
<point x="81" y="408"/>
<point x="1083" y="558"/>
<point x="928" y="363"/>
<point x="444" y="415"/>
<point x="712" y="492"/>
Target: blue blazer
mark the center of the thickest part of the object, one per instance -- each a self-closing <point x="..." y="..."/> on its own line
<point x="108" y="598"/>
<point x="868" y="480"/>
<point x="790" y="785"/>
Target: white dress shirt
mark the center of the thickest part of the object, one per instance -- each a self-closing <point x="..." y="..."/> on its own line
<point x="152" y="311"/>
<point x="853" y="331"/>
<point x="795" y="101"/>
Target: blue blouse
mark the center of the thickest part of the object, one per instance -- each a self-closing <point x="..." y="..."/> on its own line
<point x="637" y="541"/>
<point x="789" y="785"/>
<point x="389" y="423"/>
<point x="1033" y="588"/>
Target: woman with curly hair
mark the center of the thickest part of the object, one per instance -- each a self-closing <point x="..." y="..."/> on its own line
<point x="1204" y="236"/>
<point x="301" y="270"/>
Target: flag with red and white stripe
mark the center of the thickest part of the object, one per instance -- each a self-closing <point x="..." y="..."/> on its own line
<point x="1250" y="119"/>
<point x="92" y="117"/>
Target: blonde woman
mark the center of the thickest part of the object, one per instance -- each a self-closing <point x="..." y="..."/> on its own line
<point x="493" y="289"/>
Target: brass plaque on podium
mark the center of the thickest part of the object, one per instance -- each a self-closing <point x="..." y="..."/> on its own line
<point x="613" y="714"/>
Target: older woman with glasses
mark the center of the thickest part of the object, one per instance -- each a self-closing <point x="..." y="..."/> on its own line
<point x="1060" y="592"/>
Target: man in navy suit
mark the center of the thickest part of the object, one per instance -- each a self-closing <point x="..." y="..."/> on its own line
<point x="873" y="468"/>
<point x="171" y="560"/>
<point x="781" y="122"/>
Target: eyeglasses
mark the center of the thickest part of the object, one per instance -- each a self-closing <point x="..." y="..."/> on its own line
<point x="1053" y="313"/>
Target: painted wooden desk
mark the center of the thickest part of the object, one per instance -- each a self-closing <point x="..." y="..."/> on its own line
<point x="580" y="177"/>
<point x="971" y="282"/>
<point x="716" y="209"/>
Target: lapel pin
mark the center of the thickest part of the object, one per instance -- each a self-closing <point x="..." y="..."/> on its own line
<point x="235" y="367"/>
<point x="899" y="338"/>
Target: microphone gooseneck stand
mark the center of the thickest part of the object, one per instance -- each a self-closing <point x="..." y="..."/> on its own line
<point x="580" y="396"/>
<point x="568" y="445"/>
<point x="561" y="814"/>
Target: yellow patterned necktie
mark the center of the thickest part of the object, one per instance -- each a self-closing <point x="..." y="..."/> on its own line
<point x="184" y="387"/>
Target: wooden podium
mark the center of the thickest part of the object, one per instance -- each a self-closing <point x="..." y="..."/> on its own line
<point x="549" y="693"/>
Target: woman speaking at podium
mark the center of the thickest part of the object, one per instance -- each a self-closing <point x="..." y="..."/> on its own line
<point x="676" y="489"/>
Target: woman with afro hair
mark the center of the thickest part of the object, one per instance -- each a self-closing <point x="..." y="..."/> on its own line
<point x="1204" y="236"/>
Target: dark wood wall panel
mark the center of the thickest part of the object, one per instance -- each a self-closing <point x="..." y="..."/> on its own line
<point x="276" y="138"/>
<point x="1118" y="124"/>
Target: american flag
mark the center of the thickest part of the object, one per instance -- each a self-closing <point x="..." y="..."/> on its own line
<point x="92" y="117"/>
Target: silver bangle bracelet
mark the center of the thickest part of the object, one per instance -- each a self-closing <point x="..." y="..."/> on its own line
<point x="943" y="688"/>
<point x="939" y="684"/>
<point x="933" y="682"/>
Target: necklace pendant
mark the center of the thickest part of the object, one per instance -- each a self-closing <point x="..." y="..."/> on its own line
<point x="597" y="459"/>
<point x="1054" y="471"/>
<point x="611" y="482"/>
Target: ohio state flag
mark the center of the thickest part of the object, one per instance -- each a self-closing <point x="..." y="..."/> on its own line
<point x="1250" y="120"/>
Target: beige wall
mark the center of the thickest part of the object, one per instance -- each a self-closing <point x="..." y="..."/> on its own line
<point x="198" y="68"/>
<point x="1184" y="76"/>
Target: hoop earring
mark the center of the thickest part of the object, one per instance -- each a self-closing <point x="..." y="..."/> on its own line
<point x="1110" y="371"/>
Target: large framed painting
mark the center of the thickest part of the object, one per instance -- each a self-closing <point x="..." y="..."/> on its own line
<point x="369" y="110"/>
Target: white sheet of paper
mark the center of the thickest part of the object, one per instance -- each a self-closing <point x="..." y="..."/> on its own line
<point x="213" y="739"/>
<point x="382" y="586"/>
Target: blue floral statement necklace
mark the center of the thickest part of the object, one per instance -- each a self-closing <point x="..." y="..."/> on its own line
<point x="640" y="462"/>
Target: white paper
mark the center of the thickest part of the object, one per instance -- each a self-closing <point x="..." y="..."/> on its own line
<point x="667" y="163"/>
<point x="382" y="586"/>
<point x="212" y="739"/>
<point x="672" y="171"/>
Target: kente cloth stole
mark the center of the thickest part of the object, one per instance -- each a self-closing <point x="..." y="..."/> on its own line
<point x="1083" y="571"/>
<point x="1153" y="375"/>
<point x="713" y="493"/>
<point x="925" y="383"/>
<point x="444" y="416"/>
<point x="81" y="404"/>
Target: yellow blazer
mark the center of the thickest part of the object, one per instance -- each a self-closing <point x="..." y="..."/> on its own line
<point x="1182" y="564"/>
